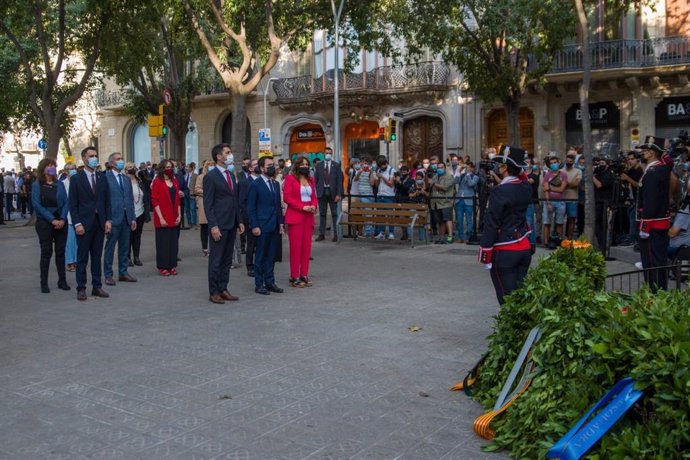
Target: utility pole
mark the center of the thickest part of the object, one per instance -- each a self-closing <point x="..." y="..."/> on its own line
<point x="336" y="101"/>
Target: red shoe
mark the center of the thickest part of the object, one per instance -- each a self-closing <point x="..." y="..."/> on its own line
<point x="164" y="272"/>
<point x="173" y="271"/>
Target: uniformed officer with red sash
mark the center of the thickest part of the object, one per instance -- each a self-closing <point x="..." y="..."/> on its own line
<point x="504" y="246"/>
<point x="653" y="212"/>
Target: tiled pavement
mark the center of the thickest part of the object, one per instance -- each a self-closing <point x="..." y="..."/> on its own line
<point x="329" y="372"/>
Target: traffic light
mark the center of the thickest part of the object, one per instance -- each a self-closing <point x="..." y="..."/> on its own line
<point x="382" y="133"/>
<point x="156" y="123"/>
<point x="393" y="129"/>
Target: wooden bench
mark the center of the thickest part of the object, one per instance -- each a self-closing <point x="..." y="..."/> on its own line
<point x="406" y="215"/>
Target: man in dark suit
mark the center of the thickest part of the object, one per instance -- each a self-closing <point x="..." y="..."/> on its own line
<point x="180" y="170"/>
<point x="329" y="190"/>
<point x="124" y="222"/>
<point x="266" y="222"/>
<point x="222" y="207"/>
<point x="89" y="207"/>
<point x="244" y="182"/>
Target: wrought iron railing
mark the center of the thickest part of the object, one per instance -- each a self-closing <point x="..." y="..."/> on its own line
<point x="630" y="282"/>
<point x="118" y="98"/>
<point x="398" y="78"/>
<point x="625" y="53"/>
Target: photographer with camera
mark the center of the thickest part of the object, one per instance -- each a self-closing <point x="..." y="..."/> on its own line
<point x="604" y="181"/>
<point x="466" y="181"/>
<point x="630" y="181"/>
<point x="419" y="193"/>
<point x="403" y="181"/>
<point x="554" y="184"/>
<point x="442" y="191"/>
<point x="383" y="179"/>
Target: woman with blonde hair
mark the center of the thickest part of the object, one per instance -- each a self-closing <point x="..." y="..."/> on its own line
<point x="201" y="214"/>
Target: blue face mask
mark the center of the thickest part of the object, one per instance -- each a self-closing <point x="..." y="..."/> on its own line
<point x="580" y="167"/>
<point x="119" y="165"/>
<point x="92" y="162"/>
<point x="419" y="181"/>
<point x="554" y="167"/>
<point x="211" y="168"/>
<point x="434" y="167"/>
<point x="72" y="172"/>
<point x="231" y="168"/>
<point x="686" y="166"/>
<point x="329" y="157"/>
<point x="440" y="172"/>
<point x="535" y="167"/>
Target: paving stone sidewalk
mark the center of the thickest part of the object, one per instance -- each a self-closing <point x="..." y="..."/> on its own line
<point x="328" y="372"/>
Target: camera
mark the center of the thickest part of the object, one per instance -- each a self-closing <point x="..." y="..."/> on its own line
<point x="678" y="145"/>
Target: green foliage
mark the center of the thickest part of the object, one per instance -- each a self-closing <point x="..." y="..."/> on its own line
<point x="590" y="340"/>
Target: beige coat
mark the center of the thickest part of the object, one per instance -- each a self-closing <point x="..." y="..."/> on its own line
<point x="199" y="192"/>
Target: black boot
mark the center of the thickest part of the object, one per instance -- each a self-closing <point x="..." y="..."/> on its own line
<point x="44" y="288"/>
<point x="62" y="284"/>
<point x="137" y="262"/>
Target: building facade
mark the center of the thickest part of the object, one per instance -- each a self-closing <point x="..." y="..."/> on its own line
<point x="640" y="85"/>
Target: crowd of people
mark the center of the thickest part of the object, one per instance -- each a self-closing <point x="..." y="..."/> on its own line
<point x="83" y="213"/>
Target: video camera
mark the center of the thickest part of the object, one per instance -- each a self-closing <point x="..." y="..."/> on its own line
<point x="678" y="147"/>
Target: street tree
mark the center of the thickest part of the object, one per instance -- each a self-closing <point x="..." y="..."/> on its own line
<point x="171" y="59"/>
<point x="244" y="40"/>
<point x="57" y="44"/>
<point x="498" y="46"/>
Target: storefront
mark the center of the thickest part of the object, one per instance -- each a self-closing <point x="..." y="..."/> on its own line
<point x="672" y="116"/>
<point x="308" y="140"/>
<point x="605" y="122"/>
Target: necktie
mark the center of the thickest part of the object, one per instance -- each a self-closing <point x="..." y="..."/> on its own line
<point x="227" y="177"/>
<point x="122" y="187"/>
<point x="93" y="182"/>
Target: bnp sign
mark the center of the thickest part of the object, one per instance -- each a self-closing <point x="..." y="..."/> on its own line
<point x="673" y="111"/>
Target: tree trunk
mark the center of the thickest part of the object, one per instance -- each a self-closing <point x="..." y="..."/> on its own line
<point x="178" y="148"/>
<point x="238" y="133"/>
<point x="512" y="109"/>
<point x="590" y="209"/>
<point x="53" y="134"/>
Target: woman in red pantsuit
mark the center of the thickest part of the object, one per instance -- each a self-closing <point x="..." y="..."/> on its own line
<point x="165" y="201"/>
<point x="299" y="195"/>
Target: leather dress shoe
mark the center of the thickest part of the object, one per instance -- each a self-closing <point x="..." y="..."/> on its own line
<point x="262" y="291"/>
<point x="110" y="282"/>
<point x="98" y="292"/>
<point x="274" y="288"/>
<point x="216" y="298"/>
<point x="63" y="285"/>
<point x="250" y="273"/>
<point x="81" y="294"/>
<point x="130" y="263"/>
<point x="137" y="262"/>
<point x="227" y="296"/>
<point x="127" y="278"/>
<point x="320" y="238"/>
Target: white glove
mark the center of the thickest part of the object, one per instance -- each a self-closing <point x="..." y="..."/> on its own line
<point x="488" y="266"/>
<point x="644" y="235"/>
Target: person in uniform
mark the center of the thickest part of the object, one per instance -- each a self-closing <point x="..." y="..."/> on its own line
<point x="505" y="248"/>
<point x="653" y="212"/>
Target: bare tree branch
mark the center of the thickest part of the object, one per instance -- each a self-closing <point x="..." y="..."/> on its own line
<point x="212" y="55"/>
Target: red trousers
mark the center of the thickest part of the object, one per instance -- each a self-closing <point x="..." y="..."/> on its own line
<point x="300" y="236"/>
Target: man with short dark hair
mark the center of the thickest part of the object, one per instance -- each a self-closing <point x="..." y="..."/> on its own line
<point x="222" y="207"/>
<point x="630" y="182"/>
<point x="329" y="181"/>
<point x="89" y="208"/>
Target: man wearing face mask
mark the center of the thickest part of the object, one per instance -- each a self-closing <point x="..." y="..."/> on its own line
<point x="89" y="207"/>
<point x="329" y="179"/>
<point x="124" y="221"/>
<point x="505" y="247"/>
<point x="267" y="225"/>
<point x="244" y="217"/>
<point x="222" y="207"/>
<point x="604" y="181"/>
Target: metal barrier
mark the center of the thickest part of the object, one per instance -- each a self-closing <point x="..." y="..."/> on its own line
<point x="630" y="282"/>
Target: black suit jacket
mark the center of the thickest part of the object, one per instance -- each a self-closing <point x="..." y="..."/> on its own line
<point x="221" y="205"/>
<point x="244" y="185"/>
<point x="335" y="182"/>
<point x="88" y="209"/>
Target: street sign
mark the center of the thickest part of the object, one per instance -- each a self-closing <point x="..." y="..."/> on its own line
<point x="167" y="97"/>
<point x="265" y="136"/>
<point x="42" y="144"/>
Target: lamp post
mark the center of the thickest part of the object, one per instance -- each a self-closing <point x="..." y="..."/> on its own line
<point x="268" y="86"/>
<point x="336" y="102"/>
